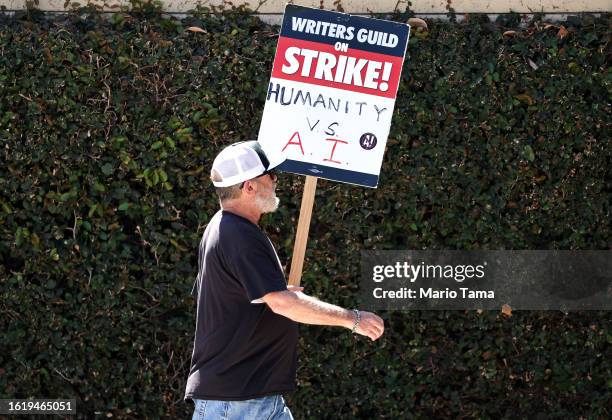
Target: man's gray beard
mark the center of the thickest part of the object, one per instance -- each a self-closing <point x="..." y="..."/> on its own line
<point x="267" y="205"/>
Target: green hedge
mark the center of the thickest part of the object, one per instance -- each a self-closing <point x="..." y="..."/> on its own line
<point x="107" y="131"/>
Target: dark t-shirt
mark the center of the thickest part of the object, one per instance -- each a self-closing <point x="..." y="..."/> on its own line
<point x="242" y="350"/>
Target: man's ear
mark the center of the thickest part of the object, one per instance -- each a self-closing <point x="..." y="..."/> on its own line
<point x="249" y="187"/>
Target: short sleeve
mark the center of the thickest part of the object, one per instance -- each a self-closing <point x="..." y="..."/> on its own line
<point x="255" y="264"/>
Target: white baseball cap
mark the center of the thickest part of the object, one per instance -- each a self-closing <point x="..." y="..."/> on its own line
<point x="242" y="161"/>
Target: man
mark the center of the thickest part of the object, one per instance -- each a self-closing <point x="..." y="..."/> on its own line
<point x="245" y="347"/>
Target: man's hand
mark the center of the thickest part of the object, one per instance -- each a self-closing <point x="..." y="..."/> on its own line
<point x="371" y="325"/>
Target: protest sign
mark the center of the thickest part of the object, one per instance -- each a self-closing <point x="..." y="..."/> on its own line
<point x="330" y="101"/>
<point x="332" y="92"/>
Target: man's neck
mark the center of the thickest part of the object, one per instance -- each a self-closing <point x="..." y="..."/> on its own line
<point x="248" y="212"/>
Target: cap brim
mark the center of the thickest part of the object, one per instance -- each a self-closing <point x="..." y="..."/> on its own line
<point x="275" y="160"/>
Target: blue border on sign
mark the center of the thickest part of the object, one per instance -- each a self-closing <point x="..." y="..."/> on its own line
<point x="400" y="29"/>
<point x="327" y="172"/>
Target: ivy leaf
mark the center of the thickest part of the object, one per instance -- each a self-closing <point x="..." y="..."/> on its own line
<point x="107" y="169"/>
<point x="532" y="64"/>
<point x="156" y="145"/>
<point x="196" y="29"/>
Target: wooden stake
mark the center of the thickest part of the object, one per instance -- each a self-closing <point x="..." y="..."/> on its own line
<point x="301" y="236"/>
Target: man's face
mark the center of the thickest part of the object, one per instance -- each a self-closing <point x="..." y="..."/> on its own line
<point x="266" y="198"/>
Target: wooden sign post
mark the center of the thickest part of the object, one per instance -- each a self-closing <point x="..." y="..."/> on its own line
<point x="301" y="236"/>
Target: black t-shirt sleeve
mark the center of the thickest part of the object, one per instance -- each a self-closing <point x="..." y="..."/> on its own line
<point x="255" y="264"/>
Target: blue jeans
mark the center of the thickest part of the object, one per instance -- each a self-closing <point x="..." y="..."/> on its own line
<point x="265" y="408"/>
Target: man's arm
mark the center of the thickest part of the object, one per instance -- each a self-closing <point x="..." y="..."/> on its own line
<point x="305" y="309"/>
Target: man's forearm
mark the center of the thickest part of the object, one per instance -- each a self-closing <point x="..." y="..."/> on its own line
<point x="309" y="310"/>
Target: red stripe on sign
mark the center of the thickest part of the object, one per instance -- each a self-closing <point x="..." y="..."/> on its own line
<point x="320" y="64"/>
